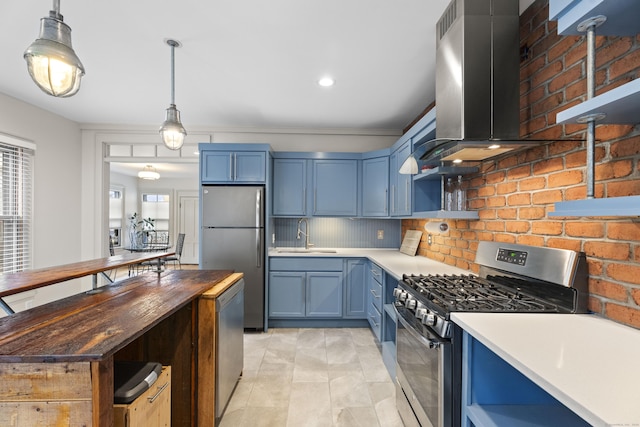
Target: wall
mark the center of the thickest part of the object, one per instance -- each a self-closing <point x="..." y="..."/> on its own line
<point x="56" y="230"/>
<point x="513" y="194"/>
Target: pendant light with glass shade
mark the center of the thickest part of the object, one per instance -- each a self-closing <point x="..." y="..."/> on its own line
<point x="172" y="131"/>
<point x="51" y="61"/>
<point x="149" y="172"/>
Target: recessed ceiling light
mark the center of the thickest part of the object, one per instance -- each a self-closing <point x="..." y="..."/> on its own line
<point x="326" y="82"/>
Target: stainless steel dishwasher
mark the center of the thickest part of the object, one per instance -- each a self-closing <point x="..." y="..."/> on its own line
<point x="230" y="344"/>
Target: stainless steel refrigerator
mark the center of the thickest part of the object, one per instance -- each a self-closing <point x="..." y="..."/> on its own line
<point x="232" y="238"/>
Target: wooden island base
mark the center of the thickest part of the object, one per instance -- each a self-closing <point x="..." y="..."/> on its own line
<point x="56" y="360"/>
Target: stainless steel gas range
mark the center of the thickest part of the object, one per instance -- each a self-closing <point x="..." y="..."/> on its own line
<point x="512" y="278"/>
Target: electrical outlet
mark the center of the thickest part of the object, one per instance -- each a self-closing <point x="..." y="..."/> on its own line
<point x="380" y="234"/>
<point x="429" y="239"/>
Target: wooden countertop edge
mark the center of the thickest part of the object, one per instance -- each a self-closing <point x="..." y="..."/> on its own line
<point x="222" y="286"/>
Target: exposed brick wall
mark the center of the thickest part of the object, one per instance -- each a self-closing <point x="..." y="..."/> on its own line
<point x="514" y="193"/>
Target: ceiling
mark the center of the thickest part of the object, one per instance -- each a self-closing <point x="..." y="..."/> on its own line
<point x="243" y="63"/>
<point x="246" y="63"/>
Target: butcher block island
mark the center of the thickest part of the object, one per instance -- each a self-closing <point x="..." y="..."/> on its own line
<point x="57" y="360"/>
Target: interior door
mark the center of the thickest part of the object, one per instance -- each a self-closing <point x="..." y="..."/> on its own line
<point x="188" y="224"/>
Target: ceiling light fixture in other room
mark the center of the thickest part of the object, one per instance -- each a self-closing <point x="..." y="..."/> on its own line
<point x="326" y="82"/>
<point x="172" y="131"/>
<point x="51" y="61"/>
<point x="149" y="172"/>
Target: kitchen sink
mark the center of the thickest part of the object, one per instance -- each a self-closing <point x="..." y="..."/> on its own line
<point x="306" y="251"/>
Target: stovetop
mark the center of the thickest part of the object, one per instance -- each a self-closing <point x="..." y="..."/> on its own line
<point x="445" y="294"/>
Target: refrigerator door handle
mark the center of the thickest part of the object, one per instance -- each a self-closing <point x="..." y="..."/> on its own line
<point x="258" y="208"/>
<point x="258" y="249"/>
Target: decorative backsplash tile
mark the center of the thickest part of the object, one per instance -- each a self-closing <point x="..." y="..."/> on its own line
<point x="340" y="232"/>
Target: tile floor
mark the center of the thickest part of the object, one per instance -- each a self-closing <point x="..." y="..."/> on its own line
<point x="313" y="377"/>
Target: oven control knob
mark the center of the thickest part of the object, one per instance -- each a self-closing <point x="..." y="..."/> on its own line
<point x="429" y="319"/>
<point x="397" y="292"/>
<point x="421" y="312"/>
<point x="403" y="296"/>
<point x="410" y="303"/>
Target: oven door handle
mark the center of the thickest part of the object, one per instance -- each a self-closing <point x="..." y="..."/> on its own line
<point x="429" y="342"/>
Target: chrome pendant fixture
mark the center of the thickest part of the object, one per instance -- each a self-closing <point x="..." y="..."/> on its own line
<point x="172" y="131"/>
<point x="51" y="61"/>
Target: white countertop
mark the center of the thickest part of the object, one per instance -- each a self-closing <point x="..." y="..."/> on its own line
<point x="391" y="260"/>
<point x="588" y="363"/>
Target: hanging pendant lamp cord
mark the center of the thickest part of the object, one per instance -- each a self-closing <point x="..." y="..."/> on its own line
<point x="173" y="84"/>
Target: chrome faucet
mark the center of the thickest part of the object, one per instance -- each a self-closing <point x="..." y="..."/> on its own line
<point x="307" y="243"/>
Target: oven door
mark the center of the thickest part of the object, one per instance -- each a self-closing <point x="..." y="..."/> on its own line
<point x="423" y="364"/>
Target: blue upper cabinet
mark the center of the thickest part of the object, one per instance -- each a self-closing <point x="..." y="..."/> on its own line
<point x="401" y="185"/>
<point x="335" y="187"/>
<point x="242" y="164"/>
<point x="375" y="187"/>
<point x="289" y="187"/>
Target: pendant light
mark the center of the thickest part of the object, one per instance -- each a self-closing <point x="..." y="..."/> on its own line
<point x="172" y="131"/>
<point x="51" y="61"/>
<point x="149" y="172"/>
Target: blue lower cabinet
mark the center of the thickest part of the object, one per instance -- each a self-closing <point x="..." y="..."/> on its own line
<point x="324" y="294"/>
<point x="306" y="287"/>
<point x="355" y="288"/>
<point x="494" y="393"/>
<point x="287" y="294"/>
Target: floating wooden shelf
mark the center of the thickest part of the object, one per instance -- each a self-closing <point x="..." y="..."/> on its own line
<point x="622" y="16"/>
<point x="612" y="206"/>
<point x="621" y="106"/>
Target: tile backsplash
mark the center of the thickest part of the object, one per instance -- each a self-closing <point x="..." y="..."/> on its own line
<point x="340" y="232"/>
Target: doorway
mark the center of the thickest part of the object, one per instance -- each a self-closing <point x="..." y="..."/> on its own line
<point x="188" y="224"/>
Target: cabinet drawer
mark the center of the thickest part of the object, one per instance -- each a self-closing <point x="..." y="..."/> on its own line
<point x="375" y="293"/>
<point x="376" y="272"/>
<point x="375" y="320"/>
<point x="151" y="409"/>
<point x="305" y="264"/>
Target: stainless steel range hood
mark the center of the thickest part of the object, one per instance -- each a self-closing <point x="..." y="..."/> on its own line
<point x="477" y="82"/>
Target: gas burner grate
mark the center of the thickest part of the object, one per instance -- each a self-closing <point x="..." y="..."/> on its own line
<point x="472" y="293"/>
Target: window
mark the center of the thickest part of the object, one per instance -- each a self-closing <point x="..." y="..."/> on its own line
<point x="16" y="188"/>
<point x="116" y="214"/>
<point x="158" y="208"/>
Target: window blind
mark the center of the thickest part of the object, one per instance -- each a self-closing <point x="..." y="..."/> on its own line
<point x="16" y="187"/>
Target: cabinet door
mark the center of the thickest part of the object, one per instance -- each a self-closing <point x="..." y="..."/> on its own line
<point x="287" y="294"/>
<point x="356" y="288"/>
<point x="375" y="187"/>
<point x="335" y="190"/>
<point x="289" y="187"/>
<point x="216" y="166"/>
<point x="249" y="166"/>
<point x="324" y="294"/>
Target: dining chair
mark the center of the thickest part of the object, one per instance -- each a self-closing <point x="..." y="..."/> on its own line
<point x="176" y="258"/>
<point x="112" y="252"/>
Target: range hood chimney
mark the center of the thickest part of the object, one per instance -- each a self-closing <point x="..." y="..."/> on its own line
<point x="477" y="82"/>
